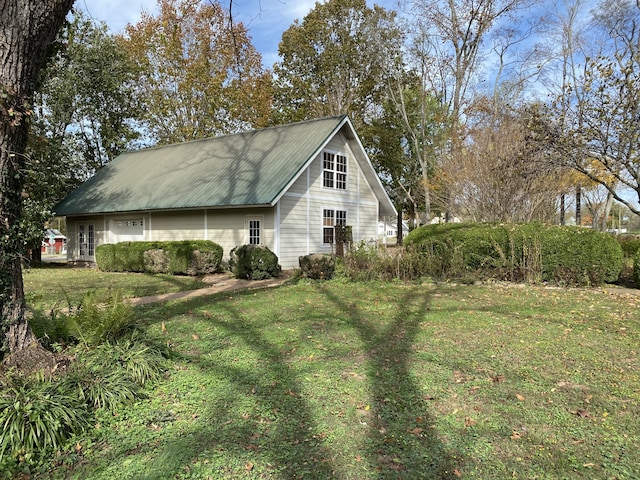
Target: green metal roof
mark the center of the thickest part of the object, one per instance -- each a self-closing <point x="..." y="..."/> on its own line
<point x="252" y="168"/>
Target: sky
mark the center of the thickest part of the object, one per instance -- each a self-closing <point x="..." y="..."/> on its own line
<point x="265" y="19"/>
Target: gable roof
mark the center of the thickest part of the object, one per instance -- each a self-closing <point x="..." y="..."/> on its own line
<point x="247" y="169"/>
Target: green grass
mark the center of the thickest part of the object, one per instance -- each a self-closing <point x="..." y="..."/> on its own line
<point x="49" y="285"/>
<point x="382" y="381"/>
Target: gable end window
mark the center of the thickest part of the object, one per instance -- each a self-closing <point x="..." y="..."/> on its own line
<point x="334" y="171"/>
<point x="331" y="218"/>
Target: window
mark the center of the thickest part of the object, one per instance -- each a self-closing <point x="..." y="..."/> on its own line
<point x="331" y="218"/>
<point x="334" y="171"/>
<point x="254" y="232"/>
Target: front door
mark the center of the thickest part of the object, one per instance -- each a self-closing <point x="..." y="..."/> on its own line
<point x="86" y="241"/>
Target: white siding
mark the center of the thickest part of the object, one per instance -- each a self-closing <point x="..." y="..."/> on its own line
<point x="301" y="213"/>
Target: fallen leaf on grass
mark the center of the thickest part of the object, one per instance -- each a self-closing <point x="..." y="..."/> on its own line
<point x="195" y="337"/>
<point x="519" y="397"/>
<point x="248" y="467"/>
<point x="516" y="435"/>
<point x="468" y="421"/>
<point x="582" y="413"/>
<point x="416" y="431"/>
<point x="457" y="473"/>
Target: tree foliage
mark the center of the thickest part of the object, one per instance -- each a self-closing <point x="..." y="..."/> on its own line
<point x="597" y="112"/>
<point x="335" y="61"/>
<point x="198" y="73"/>
<point x="83" y="116"/>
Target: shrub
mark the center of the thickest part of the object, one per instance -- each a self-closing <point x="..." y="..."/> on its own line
<point x="532" y="252"/>
<point x="317" y="266"/>
<point x="99" y="319"/>
<point x="254" y="262"/>
<point x="188" y="257"/>
<point x="636" y="269"/>
<point x="630" y="243"/>
<point x="156" y="260"/>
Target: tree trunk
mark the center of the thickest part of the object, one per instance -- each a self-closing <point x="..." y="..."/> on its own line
<point x="27" y="31"/>
<point x="562" y="209"/>
<point x="578" y="206"/>
<point x="399" y="236"/>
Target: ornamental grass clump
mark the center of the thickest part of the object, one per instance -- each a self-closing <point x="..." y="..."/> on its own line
<point x="36" y="417"/>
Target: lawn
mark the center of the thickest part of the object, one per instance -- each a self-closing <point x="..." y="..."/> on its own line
<point x="57" y="284"/>
<point x="380" y="380"/>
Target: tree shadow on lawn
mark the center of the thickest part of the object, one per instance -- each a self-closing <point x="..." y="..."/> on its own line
<point x="278" y="434"/>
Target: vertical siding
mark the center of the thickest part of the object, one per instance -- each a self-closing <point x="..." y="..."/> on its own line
<point x="225" y="227"/>
<point x="228" y="227"/>
<point x="302" y="209"/>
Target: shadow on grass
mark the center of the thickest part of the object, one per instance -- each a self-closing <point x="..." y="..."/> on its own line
<point x="279" y="431"/>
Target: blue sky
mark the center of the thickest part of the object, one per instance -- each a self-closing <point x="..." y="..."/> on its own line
<point x="265" y="19"/>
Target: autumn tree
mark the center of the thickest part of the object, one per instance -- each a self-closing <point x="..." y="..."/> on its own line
<point x="335" y="60"/>
<point x="199" y="74"/>
<point x="28" y="29"/>
<point x="502" y="174"/>
<point x="449" y="48"/>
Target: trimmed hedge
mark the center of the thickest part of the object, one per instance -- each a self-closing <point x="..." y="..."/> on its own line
<point x="530" y="252"/>
<point x="253" y="262"/>
<point x="186" y="257"/>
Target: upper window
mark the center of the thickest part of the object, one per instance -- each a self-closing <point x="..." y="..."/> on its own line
<point x="334" y="171"/>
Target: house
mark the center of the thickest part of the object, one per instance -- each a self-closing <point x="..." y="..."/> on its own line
<point x="388" y="230"/>
<point x="54" y="242"/>
<point x="285" y="187"/>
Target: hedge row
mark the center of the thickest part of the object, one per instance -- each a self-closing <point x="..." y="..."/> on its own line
<point x="187" y="257"/>
<point x="531" y="252"/>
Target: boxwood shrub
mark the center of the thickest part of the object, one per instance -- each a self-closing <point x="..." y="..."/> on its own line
<point x="530" y="252"/>
<point x="317" y="266"/>
<point x="630" y="243"/>
<point x="186" y="257"/>
<point x="253" y="262"/>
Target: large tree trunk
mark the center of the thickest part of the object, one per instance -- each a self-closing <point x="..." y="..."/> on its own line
<point x="27" y="31"/>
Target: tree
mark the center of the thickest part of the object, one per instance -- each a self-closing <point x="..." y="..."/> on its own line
<point x="199" y="75"/>
<point x="598" y="118"/>
<point x="27" y="32"/>
<point x="83" y="117"/>
<point x="502" y="174"/>
<point x="335" y="62"/>
<point x="448" y="43"/>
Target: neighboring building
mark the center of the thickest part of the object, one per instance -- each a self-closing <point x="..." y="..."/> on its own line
<point x="388" y="230"/>
<point x="54" y="242"/>
<point x="284" y="187"/>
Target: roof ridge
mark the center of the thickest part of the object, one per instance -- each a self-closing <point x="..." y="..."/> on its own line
<point x="227" y="135"/>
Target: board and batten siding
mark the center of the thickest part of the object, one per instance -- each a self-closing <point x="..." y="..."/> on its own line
<point x="301" y="207"/>
<point x="228" y="228"/>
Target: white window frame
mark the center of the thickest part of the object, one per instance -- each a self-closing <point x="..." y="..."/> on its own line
<point x="250" y="226"/>
<point x="334" y="170"/>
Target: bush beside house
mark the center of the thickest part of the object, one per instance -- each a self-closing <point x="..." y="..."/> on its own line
<point x="187" y="257"/>
<point x="253" y="262"/>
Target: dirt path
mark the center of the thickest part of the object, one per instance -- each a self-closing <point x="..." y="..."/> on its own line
<point x="219" y="283"/>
